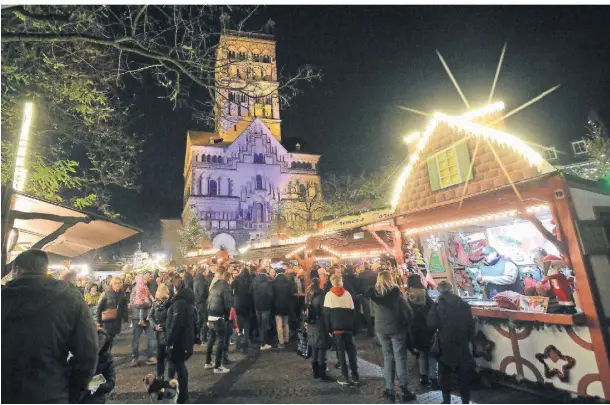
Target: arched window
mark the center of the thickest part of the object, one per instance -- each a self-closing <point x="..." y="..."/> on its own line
<point x="212" y="188"/>
<point x="209" y="158"/>
<point x="293" y="165"/>
<point x="219" y="159"/>
<point x="214" y="159"/>
<point x="302" y="191"/>
<point x="259" y="182"/>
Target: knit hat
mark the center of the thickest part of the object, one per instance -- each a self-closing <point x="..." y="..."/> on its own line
<point x="414" y="281"/>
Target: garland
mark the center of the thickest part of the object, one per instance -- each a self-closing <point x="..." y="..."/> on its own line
<point x="535" y="325"/>
<point x="542" y="389"/>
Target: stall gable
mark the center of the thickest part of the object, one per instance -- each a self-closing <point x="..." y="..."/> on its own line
<point x="426" y="187"/>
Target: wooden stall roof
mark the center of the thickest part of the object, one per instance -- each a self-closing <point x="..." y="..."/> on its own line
<point x="344" y="241"/>
<point x="270" y="252"/>
<point x="75" y="241"/>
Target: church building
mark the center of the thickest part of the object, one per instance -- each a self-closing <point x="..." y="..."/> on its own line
<point x="237" y="176"/>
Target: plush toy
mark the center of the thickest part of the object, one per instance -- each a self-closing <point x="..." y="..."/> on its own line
<point x="559" y="284"/>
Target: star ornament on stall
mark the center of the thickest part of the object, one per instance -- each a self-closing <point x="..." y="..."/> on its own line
<point x="553" y="354"/>
<point x="433" y="243"/>
<point x="464" y="125"/>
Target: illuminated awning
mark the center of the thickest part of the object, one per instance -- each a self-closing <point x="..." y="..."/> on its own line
<point x="36" y="219"/>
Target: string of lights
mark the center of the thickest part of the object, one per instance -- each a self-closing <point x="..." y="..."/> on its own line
<point x="475" y="220"/>
<point x="464" y="125"/>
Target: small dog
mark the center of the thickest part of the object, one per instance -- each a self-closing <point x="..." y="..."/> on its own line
<point x="161" y="391"/>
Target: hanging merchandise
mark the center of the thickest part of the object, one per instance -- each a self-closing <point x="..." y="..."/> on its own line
<point x="464" y="251"/>
<point x="435" y="265"/>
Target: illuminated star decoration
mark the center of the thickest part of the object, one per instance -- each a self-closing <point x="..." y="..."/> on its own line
<point x="434" y="243"/>
<point x="464" y="125"/>
<point x="553" y="354"/>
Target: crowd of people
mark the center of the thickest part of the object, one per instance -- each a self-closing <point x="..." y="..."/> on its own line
<point x="58" y="334"/>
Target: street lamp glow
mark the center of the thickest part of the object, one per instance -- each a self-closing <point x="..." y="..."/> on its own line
<point x="20" y="170"/>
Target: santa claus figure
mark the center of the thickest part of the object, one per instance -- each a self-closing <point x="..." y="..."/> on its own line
<point x="559" y="284"/>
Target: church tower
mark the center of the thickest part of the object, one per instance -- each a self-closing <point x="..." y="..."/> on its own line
<point x="246" y="84"/>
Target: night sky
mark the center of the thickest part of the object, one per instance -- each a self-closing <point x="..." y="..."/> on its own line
<point x="375" y="58"/>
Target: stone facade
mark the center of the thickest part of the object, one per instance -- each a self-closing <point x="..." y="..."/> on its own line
<point x="236" y="177"/>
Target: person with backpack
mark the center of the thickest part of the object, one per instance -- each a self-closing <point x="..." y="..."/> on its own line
<point x="201" y="287"/>
<point x="317" y="334"/>
<point x="392" y="320"/>
<point x="262" y="295"/>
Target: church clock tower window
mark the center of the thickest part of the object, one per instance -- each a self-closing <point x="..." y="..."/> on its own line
<point x="259" y="182"/>
<point x="212" y="188"/>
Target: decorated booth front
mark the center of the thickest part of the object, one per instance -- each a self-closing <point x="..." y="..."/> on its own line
<point x="471" y="189"/>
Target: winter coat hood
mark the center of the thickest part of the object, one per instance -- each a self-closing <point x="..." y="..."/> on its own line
<point x="185" y="294"/>
<point x="388" y="298"/>
<point x="103" y="341"/>
<point x="19" y="300"/>
<point x="338" y="291"/>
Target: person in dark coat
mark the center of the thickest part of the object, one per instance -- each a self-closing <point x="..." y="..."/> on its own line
<point x="152" y="283"/>
<point x="313" y="273"/>
<point x="188" y="278"/>
<point x="112" y="298"/>
<point x="421" y="333"/>
<point x="180" y="336"/>
<point x="158" y="317"/>
<point x="219" y="311"/>
<point x="317" y="334"/>
<point x="262" y="294"/>
<point x="244" y="303"/>
<point x="201" y="288"/>
<point x="105" y="367"/>
<point x="453" y="318"/>
<point x="43" y="320"/>
<point x="393" y="317"/>
<point x="367" y="279"/>
<point x="284" y="301"/>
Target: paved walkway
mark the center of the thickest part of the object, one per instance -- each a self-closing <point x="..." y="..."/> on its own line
<point x="280" y="376"/>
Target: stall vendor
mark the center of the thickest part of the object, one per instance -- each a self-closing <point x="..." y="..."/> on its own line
<point x="498" y="273"/>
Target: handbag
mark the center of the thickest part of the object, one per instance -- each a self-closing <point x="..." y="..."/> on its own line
<point x="435" y="347"/>
<point x="303" y="349"/>
<point x="110" y="314"/>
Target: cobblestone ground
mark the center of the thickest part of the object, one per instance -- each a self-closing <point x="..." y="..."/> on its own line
<point x="280" y="376"/>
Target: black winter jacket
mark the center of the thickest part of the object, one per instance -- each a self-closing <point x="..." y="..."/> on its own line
<point x="367" y="279"/>
<point x="317" y="332"/>
<point x="180" y="330"/>
<point x="111" y="299"/>
<point x="453" y="318"/>
<point x="158" y="316"/>
<point x="262" y="293"/>
<point x="189" y="281"/>
<point x="42" y="321"/>
<point x="392" y="313"/>
<point x="339" y="311"/>
<point x="201" y="288"/>
<point x="242" y="291"/>
<point x="284" y="291"/>
<point x="221" y="300"/>
<point x="105" y="367"/>
<point x="421" y="333"/>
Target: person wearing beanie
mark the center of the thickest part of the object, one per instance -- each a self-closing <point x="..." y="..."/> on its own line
<point x="421" y="333"/>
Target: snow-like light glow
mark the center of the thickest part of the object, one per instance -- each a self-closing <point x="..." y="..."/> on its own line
<point x="465" y="126"/>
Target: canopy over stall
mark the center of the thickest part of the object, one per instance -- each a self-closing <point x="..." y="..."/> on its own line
<point x="58" y="229"/>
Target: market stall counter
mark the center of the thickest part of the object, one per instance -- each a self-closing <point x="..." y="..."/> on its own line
<point x="538" y="349"/>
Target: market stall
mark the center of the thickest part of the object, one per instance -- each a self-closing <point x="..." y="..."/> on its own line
<point x="469" y="190"/>
<point x="58" y="229"/>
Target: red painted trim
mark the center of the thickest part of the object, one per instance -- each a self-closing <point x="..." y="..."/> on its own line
<point x="578" y="340"/>
<point x="585" y="381"/>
